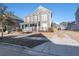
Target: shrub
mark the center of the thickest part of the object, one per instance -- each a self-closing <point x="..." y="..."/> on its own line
<point x="51" y="29"/>
<point x="19" y="30"/>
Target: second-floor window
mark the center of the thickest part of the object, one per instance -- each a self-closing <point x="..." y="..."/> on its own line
<point x="35" y="18"/>
<point x="44" y="17"/>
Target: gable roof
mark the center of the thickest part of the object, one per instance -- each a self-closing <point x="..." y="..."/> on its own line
<point x="41" y="9"/>
<point x="16" y="18"/>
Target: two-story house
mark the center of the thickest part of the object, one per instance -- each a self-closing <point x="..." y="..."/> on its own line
<point x="39" y="20"/>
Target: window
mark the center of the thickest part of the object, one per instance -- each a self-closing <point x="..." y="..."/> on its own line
<point x="27" y="20"/>
<point x="44" y="17"/>
<point x="35" y="18"/>
<point x="31" y="20"/>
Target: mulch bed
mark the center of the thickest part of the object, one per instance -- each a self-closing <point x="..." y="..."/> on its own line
<point x="23" y="42"/>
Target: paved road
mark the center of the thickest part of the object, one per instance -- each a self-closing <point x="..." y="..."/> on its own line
<point x="59" y="44"/>
<point x="16" y="50"/>
<point x="11" y="50"/>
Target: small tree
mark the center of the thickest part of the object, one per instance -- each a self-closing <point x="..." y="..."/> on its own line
<point x="5" y="18"/>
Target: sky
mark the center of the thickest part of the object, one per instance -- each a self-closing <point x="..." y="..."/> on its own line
<point x="60" y="11"/>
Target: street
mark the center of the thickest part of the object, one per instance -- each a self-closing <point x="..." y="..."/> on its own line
<point x="40" y="44"/>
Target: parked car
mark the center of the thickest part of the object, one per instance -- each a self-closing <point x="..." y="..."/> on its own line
<point x="59" y="28"/>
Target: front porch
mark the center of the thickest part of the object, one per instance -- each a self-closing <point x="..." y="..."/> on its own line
<point x="29" y="27"/>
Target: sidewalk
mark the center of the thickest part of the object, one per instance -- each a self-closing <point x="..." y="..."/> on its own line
<point x="48" y="34"/>
<point x="73" y="34"/>
<point x="64" y="39"/>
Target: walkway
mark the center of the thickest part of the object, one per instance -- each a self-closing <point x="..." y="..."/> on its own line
<point x="60" y="37"/>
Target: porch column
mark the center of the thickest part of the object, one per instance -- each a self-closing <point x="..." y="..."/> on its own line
<point x="37" y="23"/>
<point x="21" y="26"/>
<point x="29" y="26"/>
<point x="24" y="25"/>
<point x="29" y="23"/>
<point x="37" y="26"/>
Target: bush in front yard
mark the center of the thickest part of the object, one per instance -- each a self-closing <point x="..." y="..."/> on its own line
<point x="19" y="30"/>
<point x="51" y="29"/>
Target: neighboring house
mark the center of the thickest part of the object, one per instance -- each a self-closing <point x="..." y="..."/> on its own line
<point x="16" y="20"/>
<point x="75" y="24"/>
<point x="77" y="17"/>
<point x="70" y="25"/>
<point x="39" y="20"/>
<point x="63" y="25"/>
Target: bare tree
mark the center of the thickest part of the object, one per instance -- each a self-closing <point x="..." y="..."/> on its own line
<point x="5" y="19"/>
